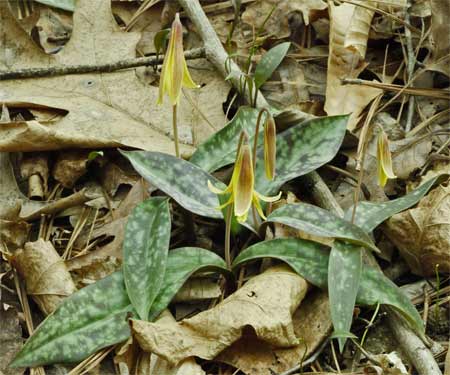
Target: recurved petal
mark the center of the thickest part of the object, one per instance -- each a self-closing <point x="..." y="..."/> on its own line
<point x="216" y="190"/>
<point x="266" y="198"/>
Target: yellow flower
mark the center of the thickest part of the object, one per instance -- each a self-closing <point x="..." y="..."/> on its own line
<point x="174" y="73"/>
<point x="384" y="161"/>
<point x="241" y="187"/>
<point x="270" y="146"/>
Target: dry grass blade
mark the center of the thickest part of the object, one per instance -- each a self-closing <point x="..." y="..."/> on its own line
<point x="427" y="92"/>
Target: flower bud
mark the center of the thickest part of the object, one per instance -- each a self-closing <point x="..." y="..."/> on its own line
<point x="270" y="147"/>
<point x="384" y="160"/>
<point x="174" y="73"/>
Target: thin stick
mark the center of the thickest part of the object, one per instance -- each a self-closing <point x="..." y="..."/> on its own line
<point x="59" y="205"/>
<point x="410" y="66"/>
<point x="101" y="68"/>
<point x="175" y="131"/>
<point x="431" y="93"/>
<point x="228" y="236"/>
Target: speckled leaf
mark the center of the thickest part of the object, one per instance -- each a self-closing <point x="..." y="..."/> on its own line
<point x="302" y="149"/>
<point x="369" y="214"/>
<point x="344" y="273"/>
<point x="90" y="319"/>
<point x="181" y="180"/>
<point x="145" y="249"/>
<point x="375" y="288"/>
<point x="319" y="222"/>
<point x="269" y="62"/>
<point x="220" y="149"/>
<point x="183" y="263"/>
<point x="310" y="260"/>
<point x="68" y="5"/>
<point x="96" y="316"/>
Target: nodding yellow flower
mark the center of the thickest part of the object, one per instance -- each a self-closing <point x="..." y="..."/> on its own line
<point x="241" y="186"/>
<point x="174" y="73"/>
<point x="270" y="147"/>
<point x="384" y="160"/>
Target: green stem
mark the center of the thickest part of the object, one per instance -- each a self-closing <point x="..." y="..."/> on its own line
<point x="175" y="131"/>
<point x="228" y="236"/>
<point x="255" y="140"/>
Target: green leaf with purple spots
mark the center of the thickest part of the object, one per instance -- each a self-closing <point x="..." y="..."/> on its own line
<point x="220" y="149"/>
<point x="96" y="316"/>
<point x="269" y="62"/>
<point x="183" y="263"/>
<point x="301" y="149"/>
<point x="344" y="274"/>
<point x="371" y="214"/>
<point x="310" y="260"/>
<point x="319" y="222"/>
<point x="186" y="183"/>
<point x="145" y="248"/>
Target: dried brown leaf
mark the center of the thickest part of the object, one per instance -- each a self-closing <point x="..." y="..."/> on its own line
<point x="278" y="25"/>
<point x="422" y="234"/>
<point x="440" y="34"/>
<point x="265" y="303"/>
<point x="101" y="110"/>
<point x="46" y="276"/>
<point x="69" y="166"/>
<point x="10" y="340"/>
<point x="345" y="60"/>
<point x="312" y="324"/>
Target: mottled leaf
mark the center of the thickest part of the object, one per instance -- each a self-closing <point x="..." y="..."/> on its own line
<point x="220" y="149"/>
<point x="371" y="214"/>
<point x="319" y="222"/>
<point x="183" y="181"/>
<point x="375" y="288"/>
<point x="68" y="5"/>
<point x="145" y="249"/>
<point x="90" y="319"/>
<point x="269" y="62"/>
<point x="183" y="263"/>
<point x="344" y="273"/>
<point x="300" y="150"/>
<point x="96" y="316"/>
<point x="310" y="260"/>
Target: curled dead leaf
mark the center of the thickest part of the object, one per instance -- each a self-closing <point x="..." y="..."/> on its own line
<point x="46" y="277"/>
<point x="312" y="324"/>
<point x="422" y="234"/>
<point x="265" y="303"/>
<point x="349" y="33"/>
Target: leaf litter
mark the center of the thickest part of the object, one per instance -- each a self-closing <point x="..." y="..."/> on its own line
<point x="69" y="193"/>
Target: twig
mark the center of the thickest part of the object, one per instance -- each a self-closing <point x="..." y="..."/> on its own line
<point x="59" y="205"/>
<point x="102" y="68"/>
<point x="431" y="93"/>
<point x="309" y="361"/>
<point x="410" y="67"/>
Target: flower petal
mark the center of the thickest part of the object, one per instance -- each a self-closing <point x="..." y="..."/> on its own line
<point x="243" y="181"/>
<point x="216" y="190"/>
<point x="187" y="79"/>
<point x="266" y="198"/>
<point x="258" y="207"/>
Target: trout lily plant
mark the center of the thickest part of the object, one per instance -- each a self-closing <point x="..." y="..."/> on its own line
<point x="96" y="316"/>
